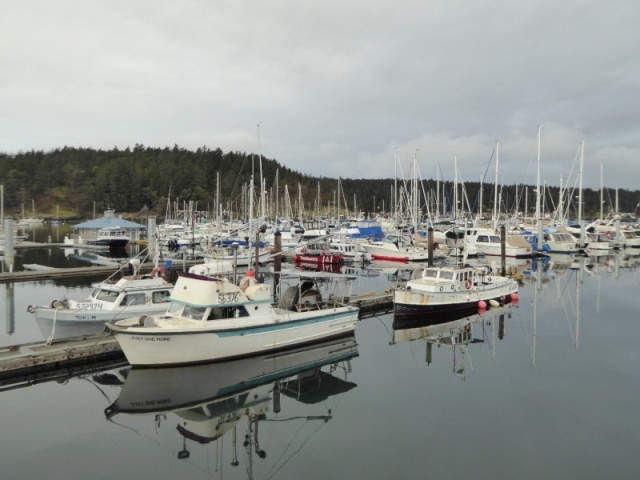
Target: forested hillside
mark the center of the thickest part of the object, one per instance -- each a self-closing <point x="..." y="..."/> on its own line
<point x="77" y="180"/>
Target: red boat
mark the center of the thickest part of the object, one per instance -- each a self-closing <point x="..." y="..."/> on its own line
<point x="318" y="258"/>
<point x="317" y="254"/>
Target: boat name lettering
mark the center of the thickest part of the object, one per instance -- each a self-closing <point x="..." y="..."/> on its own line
<point x="86" y="317"/>
<point x="151" y="339"/>
<point x="230" y="297"/>
<point x="89" y="306"/>
<point x="147" y="403"/>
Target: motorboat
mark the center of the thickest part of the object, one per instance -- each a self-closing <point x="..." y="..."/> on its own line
<point x="487" y="242"/>
<point x="212" y="318"/>
<point x="449" y="288"/>
<point x="110" y="237"/>
<point x="111" y="299"/>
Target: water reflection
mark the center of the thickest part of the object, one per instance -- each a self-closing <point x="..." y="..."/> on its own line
<point x="455" y="331"/>
<point x="211" y="401"/>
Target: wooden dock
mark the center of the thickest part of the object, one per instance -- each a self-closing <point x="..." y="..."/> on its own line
<point x="24" y="365"/>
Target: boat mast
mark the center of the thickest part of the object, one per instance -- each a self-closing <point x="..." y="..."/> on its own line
<point x="538" y="216"/>
<point x="582" y="228"/>
<point x="601" y="193"/>
<point x="495" y="186"/>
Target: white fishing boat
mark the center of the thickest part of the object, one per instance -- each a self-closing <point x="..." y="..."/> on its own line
<point x="110" y="299"/>
<point x="457" y="287"/>
<point x="213" y="319"/>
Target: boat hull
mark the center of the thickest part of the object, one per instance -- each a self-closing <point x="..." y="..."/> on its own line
<point x="328" y="259"/>
<point x="111" y="244"/>
<point x="408" y="303"/>
<point x="148" y="346"/>
<point x="57" y="324"/>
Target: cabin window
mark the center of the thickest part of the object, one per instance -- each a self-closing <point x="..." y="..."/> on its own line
<point x="193" y="312"/>
<point x="430" y="273"/>
<point x="161" y="296"/>
<point x="221" y="313"/>
<point x="175" y="308"/>
<point x="107" y="296"/>
<point x="483" y="238"/>
<point x="446" y="275"/>
<point x="134" y="299"/>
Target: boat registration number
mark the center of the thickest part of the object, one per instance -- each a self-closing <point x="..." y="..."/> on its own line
<point x="230" y="297"/>
<point x="89" y="306"/>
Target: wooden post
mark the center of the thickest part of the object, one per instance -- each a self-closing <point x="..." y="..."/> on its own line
<point x="503" y="249"/>
<point x="430" y="246"/>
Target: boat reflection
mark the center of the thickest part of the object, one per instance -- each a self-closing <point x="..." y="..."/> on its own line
<point x="211" y="400"/>
<point x="453" y="330"/>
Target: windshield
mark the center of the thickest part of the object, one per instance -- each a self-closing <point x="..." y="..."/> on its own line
<point x="446" y="275"/>
<point x="107" y="296"/>
<point x="430" y="273"/>
<point x="195" y="313"/>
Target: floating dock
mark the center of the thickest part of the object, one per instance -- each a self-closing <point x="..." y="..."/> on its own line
<point x="25" y="365"/>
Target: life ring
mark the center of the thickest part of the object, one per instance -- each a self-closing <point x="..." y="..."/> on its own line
<point x="467" y="284"/>
<point x="158" y="270"/>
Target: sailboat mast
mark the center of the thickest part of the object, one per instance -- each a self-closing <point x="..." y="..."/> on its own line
<point x="582" y="229"/>
<point x="495" y="186"/>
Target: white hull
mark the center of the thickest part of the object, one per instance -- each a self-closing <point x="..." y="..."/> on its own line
<point x="64" y="323"/>
<point x="144" y="346"/>
<point x="188" y="386"/>
<point x="400" y="254"/>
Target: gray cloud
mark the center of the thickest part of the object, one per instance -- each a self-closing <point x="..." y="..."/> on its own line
<point x="337" y="87"/>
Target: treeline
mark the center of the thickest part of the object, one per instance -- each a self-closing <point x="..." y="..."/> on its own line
<point x="77" y="180"/>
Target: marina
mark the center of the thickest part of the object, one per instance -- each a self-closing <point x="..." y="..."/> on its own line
<point x="521" y="374"/>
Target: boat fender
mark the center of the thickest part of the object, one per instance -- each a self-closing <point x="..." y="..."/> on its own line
<point x="467" y="328"/>
<point x="409" y="288"/>
<point x="467" y="284"/>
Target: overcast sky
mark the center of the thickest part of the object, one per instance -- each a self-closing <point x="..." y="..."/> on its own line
<point x="334" y="88"/>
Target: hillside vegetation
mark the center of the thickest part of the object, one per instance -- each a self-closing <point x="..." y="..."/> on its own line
<point x="75" y="181"/>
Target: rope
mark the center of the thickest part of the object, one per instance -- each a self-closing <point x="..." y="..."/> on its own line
<point x="53" y="330"/>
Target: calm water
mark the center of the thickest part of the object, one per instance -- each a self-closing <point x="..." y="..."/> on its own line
<point x="546" y="390"/>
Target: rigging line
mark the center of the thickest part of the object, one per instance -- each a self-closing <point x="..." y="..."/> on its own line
<point x="302" y="445"/>
<point x="99" y="389"/>
<point x="488" y="165"/>
<point x="282" y="454"/>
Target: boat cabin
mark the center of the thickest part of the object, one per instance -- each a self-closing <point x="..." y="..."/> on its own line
<point x="445" y="279"/>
